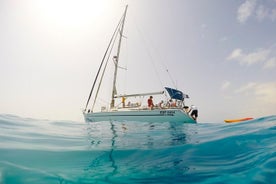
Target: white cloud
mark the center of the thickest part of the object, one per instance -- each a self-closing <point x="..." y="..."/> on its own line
<point x="235" y="55"/>
<point x="255" y="57"/>
<point x="266" y="92"/>
<point x="246" y="88"/>
<point x="261" y="93"/>
<point x="273" y="14"/>
<point x="262" y="12"/>
<point x="223" y="39"/>
<point x="251" y="58"/>
<point x="225" y="85"/>
<point x="271" y="63"/>
<point x="246" y="10"/>
<point x="255" y="99"/>
<point x="252" y="8"/>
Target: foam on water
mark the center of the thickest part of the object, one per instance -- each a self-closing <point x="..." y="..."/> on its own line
<point x="42" y="151"/>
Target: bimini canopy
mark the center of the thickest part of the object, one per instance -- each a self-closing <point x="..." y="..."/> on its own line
<point x="176" y="94"/>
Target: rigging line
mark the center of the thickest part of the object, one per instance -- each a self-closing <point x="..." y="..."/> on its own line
<point x="163" y="58"/>
<point x="101" y="79"/>
<point x="164" y="65"/>
<point x="149" y="54"/>
<point x="167" y="70"/>
<point x="102" y="63"/>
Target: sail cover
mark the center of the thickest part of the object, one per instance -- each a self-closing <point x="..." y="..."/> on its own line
<point x="176" y="94"/>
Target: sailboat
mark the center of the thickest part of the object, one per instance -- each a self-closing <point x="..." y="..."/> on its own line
<point x="174" y="110"/>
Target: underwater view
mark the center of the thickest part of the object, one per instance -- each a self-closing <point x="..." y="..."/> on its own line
<point x="68" y="152"/>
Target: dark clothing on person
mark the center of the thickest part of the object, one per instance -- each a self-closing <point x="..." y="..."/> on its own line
<point x="194" y="114"/>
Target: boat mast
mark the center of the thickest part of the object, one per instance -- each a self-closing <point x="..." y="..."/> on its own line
<point x="116" y="59"/>
<point x="110" y="46"/>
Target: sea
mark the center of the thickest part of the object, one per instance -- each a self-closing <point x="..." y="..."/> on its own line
<point x="41" y="151"/>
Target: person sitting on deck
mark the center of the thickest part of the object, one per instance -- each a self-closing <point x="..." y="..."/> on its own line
<point x="161" y="104"/>
<point x="150" y="103"/>
<point x="171" y="103"/>
<point x="128" y="103"/>
<point x="186" y="108"/>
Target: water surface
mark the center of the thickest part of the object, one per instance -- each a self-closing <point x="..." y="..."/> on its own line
<point x="63" y="152"/>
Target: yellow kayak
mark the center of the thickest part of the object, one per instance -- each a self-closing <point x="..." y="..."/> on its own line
<point x="236" y="120"/>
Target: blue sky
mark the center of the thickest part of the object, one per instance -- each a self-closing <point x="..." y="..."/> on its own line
<point x="222" y="53"/>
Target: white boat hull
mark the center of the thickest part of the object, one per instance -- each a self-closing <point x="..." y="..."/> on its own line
<point x="157" y="115"/>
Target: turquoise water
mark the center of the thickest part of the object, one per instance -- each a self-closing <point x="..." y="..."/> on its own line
<point x="67" y="152"/>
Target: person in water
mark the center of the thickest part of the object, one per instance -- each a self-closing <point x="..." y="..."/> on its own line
<point x="194" y="112"/>
<point x="150" y="103"/>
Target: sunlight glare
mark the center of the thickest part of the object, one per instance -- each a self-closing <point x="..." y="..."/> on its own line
<point x="72" y="13"/>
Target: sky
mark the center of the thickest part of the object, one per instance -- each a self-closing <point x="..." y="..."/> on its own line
<point x="221" y="53"/>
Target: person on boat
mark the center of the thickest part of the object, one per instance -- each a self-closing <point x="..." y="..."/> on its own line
<point x="161" y="104"/>
<point x="124" y="101"/>
<point x="186" y="108"/>
<point x="171" y="103"/>
<point x="168" y="104"/>
<point x="150" y="103"/>
<point x="194" y="112"/>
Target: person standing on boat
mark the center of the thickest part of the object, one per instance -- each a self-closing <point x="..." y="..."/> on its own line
<point x="194" y="112"/>
<point x="150" y="103"/>
<point x="124" y="101"/>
